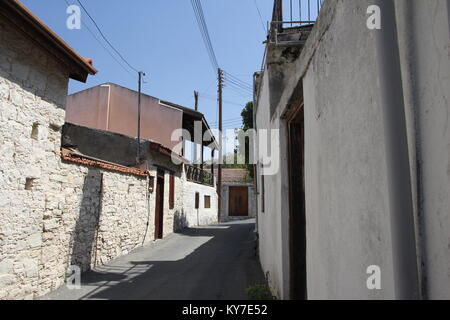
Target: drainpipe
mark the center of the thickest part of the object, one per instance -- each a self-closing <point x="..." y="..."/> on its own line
<point x="406" y="276"/>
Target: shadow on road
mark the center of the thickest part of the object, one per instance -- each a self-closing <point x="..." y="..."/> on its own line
<point x="223" y="267"/>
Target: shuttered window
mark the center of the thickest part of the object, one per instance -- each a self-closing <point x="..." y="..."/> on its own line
<point x="172" y="191"/>
<point x="207" y="202"/>
<point x="197" y="200"/>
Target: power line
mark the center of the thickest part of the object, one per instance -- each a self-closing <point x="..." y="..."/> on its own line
<point x="260" y="17"/>
<point x="239" y="81"/>
<point x="201" y="22"/>
<point x="104" y="47"/>
<point x="106" y="39"/>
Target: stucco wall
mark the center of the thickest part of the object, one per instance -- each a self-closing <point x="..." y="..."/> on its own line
<point x="114" y="108"/>
<point x="202" y="215"/>
<point x="424" y="31"/>
<point x="347" y="216"/>
<point x="272" y="220"/>
<point x="347" y="213"/>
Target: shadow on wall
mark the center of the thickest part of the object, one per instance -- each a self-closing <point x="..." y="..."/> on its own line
<point x="84" y="237"/>
<point x="179" y="221"/>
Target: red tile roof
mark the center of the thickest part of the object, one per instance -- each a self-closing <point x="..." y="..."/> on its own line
<point x="69" y="155"/>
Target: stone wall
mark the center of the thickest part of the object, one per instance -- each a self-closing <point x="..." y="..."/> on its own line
<point x="54" y="213"/>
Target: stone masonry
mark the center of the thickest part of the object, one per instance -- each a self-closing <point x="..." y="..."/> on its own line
<point x="53" y="213"/>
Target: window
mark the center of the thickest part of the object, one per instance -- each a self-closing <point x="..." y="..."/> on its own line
<point x="207" y="202"/>
<point x="197" y="200"/>
<point x="172" y="191"/>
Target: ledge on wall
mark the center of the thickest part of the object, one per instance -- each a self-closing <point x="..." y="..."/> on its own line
<point x="71" y="155"/>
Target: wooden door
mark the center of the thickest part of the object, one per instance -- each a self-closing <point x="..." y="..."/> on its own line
<point x="297" y="216"/>
<point x="159" y="208"/>
<point x="238" y="202"/>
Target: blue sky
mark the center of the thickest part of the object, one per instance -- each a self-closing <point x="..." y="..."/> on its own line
<point x="161" y="37"/>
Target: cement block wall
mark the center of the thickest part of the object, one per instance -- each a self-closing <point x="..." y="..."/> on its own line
<point x="347" y="213"/>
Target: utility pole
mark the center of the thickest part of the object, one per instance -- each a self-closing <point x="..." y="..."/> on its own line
<point x="196" y="100"/>
<point x="140" y="75"/>
<point x="219" y="170"/>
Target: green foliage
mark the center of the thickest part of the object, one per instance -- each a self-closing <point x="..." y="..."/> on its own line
<point x="247" y="116"/>
<point x="260" y="292"/>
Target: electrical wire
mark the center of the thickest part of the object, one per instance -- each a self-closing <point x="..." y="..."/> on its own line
<point x="201" y="22"/>
<point x="105" y="47"/>
<point x="105" y="38"/>
<point x="260" y="17"/>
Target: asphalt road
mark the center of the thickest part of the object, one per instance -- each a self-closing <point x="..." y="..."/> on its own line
<point x="204" y="263"/>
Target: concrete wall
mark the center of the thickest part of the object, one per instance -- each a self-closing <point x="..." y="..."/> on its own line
<point x="347" y="213"/>
<point x="226" y="200"/>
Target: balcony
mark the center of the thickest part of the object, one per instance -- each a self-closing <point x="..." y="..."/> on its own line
<point x="295" y="30"/>
<point x="197" y="175"/>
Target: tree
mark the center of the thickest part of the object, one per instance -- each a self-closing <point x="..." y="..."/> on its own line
<point x="247" y="124"/>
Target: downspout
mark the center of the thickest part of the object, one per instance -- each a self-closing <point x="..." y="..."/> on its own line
<point x="406" y="277"/>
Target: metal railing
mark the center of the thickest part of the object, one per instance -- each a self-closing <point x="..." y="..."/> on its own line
<point x="302" y="16"/>
<point x="197" y="175"/>
<point x="297" y="12"/>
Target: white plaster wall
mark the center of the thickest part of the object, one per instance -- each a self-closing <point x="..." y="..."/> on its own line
<point x="202" y="216"/>
<point x="424" y="32"/>
<point x="271" y="223"/>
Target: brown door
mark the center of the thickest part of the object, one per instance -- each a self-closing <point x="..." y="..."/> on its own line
<point x="238" y="206"/>
<point x="297" y="217"/>
<point x="159" y="207"/>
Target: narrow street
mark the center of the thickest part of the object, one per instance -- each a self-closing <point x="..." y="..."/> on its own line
<point x="216" y="262"/>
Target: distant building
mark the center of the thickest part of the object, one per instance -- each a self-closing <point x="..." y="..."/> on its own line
<point x="111" y="107"/>
<point x="238" y="195"/>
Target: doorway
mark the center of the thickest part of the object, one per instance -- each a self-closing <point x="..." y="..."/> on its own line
<point x="238" y="202"/>
<point x="297" y="214"/>
<point x="159" y="206"/>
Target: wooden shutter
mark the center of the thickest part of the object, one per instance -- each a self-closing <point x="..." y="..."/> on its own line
<point x="197" y="200"/>
<point x="207" y="202"/>
<point x="172" y="192"/>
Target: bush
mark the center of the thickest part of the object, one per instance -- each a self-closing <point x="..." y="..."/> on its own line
<point x="260" y="292"/>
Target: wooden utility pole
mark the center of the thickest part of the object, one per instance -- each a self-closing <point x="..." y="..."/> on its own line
<point x="219" y="170"/>
<point x="140" y="75"/>
<point x="196" y="100"/>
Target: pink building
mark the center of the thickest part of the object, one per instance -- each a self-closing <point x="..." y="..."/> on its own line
<point x="113" y="108"/>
